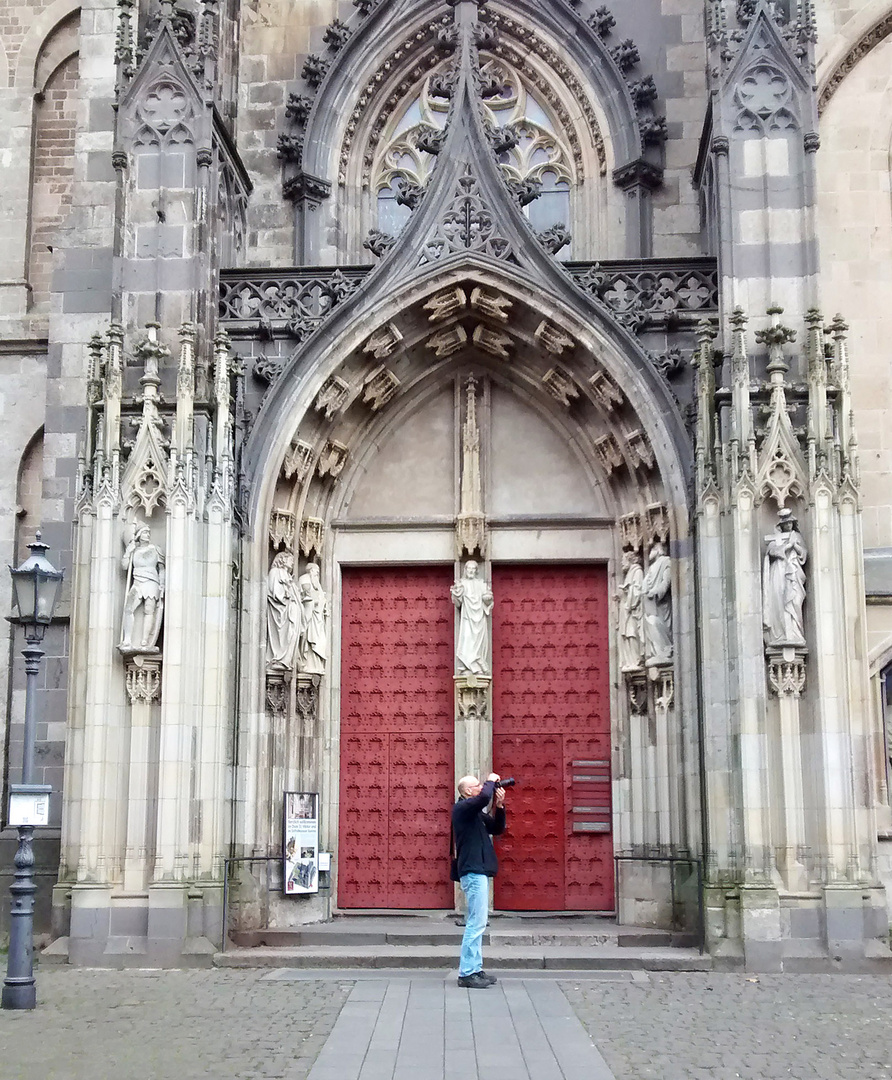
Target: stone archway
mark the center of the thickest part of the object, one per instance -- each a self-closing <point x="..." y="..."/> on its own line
<point x="374" y="475"/>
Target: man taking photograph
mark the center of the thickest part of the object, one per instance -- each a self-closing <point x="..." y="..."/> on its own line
<point x="473" y="829"/>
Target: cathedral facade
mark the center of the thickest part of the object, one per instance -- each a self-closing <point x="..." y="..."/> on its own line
<point x="413" y="388"/>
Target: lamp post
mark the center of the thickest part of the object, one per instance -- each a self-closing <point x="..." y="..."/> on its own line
<point x="35" y="589"/>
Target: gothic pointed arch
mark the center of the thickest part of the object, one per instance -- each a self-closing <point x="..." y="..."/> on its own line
<point x="469" y="227"/>
<point x="580" y="101"/>
<point x="576" y="365"/>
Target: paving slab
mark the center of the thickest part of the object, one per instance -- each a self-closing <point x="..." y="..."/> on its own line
<point x="431" y="1029"/>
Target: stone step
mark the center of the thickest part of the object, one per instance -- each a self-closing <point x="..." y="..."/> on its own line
<point x="359" y="931"/>
<point x="529" y="957"/>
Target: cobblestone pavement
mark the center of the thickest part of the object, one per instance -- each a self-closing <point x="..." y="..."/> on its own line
<point x="251" y="1025"/>
<point x="725" y="1027"/>
<point x="168" y="1025"/>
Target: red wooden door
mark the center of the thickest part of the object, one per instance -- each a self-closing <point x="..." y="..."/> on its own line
<point x="551" y="731"/>
<point x="397" y="738"/>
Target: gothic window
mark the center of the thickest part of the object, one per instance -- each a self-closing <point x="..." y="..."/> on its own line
<point x="542" y="154"/>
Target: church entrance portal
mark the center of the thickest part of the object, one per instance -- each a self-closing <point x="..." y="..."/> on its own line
<point x="551" y="729"/>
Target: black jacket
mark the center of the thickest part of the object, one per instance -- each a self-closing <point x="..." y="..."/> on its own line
<point x="472" y="828"/>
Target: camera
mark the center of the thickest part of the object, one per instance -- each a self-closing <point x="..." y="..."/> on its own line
<point x="507" y="782"/>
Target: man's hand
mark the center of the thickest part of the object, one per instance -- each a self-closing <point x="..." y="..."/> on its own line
<point x="494" y="776"/>
<point x="500" y="798"/>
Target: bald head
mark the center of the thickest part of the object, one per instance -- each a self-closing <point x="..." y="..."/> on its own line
<point x="469" y="785"/>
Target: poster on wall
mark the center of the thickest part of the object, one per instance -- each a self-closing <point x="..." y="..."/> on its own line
<point x="301" y="832"/>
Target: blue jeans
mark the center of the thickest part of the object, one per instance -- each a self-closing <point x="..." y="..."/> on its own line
<point x="476" y="890"/>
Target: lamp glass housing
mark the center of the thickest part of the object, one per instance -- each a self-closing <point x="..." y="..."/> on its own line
<point x="35" y="588"/>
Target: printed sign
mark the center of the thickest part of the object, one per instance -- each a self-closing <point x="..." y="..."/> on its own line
<point x="301" y="833"/>
<point x="29" y="804"/>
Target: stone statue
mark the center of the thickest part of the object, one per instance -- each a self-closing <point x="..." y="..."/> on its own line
<point x="312" y="646"/>
<point x="473" y="597"/>
<point x="783" y="583"/>
<point x="657" y="606"/>
<point x="631" y="618"/>
<point x="283" y="615"/>
<point x="143" y="563"/>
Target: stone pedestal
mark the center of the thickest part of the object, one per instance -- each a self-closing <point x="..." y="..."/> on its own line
<point x="473" y="729"/>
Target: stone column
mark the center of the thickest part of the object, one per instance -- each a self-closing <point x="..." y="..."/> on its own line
<point x="786" y="678"/>
<point x="662" y="682"/>
<point x="143" y="675"/>
<point x="306" y="715"/>
<point x="636" y="688"/>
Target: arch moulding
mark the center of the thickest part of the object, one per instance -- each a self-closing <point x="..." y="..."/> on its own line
<point x="40" y="29"/>
<point x="600" y="344"/>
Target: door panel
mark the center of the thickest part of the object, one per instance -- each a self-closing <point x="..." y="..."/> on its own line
<point x="551" y="730"/>
<point x="397" y="738"/>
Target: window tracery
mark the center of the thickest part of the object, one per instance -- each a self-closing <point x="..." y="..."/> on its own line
<point x="541" y="157"/>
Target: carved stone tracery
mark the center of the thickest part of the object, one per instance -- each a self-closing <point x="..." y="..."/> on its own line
<point x="468" y="224"/>
<point x="787" y="672"/>
<point x="281" y="529"/>
<point x="143" y="679"/>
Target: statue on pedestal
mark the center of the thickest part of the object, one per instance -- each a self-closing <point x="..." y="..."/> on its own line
<point x="143" y="563"/>
<point x="474" y="599"/>
<point x="312" y="647"/>
<point x="631" y="619"/>
<point x="657" y="605"/>
<point x="783" y="583"/>
<point x="282" y="614"/>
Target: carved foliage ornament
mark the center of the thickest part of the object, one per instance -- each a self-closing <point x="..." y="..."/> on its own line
<point x="858" y="51"/>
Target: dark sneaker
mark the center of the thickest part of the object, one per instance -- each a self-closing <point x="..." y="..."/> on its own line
<point x="491" y="979"/>
<point x="477" y="981"/>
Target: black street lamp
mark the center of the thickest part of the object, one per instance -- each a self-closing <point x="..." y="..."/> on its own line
<point x="35" y="590"/>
